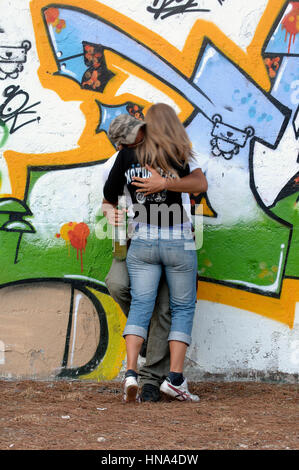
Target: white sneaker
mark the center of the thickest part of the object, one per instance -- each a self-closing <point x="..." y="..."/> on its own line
<point x="130" y="389"/>
<point x="180" y="392"/>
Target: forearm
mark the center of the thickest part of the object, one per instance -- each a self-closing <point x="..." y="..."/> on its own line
<point x="196" y="183"/>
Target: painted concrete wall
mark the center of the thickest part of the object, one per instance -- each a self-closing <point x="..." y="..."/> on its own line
<point x="230" y="69"/>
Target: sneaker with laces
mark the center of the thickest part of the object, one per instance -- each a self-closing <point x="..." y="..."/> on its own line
<point x="130" y="389"/>
<point x="179" y="392"/>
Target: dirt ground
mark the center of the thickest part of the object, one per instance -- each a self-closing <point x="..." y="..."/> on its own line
<point x="83" y="415"/>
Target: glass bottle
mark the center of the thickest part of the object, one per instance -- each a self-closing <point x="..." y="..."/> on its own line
<point x="120" y="233"/>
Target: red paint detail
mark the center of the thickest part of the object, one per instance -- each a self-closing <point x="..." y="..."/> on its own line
<point x="81" y="261"/>
<point x="273" y="66"/>
<point x="78" y="238"/>
<point x="61" y="24"/>
<point x="291" y="24"/>
<point x="51" y="15"/>
<point x="93" y="81"/>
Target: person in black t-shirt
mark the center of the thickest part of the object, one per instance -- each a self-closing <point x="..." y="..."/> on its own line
<point x="162" y="239"/>
<point x="126" y="168"/>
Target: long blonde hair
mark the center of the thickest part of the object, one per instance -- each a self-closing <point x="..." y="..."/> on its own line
<point x="166" y="142"/>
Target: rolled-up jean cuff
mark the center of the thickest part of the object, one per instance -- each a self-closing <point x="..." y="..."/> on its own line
<point x="135" y="330"/>
<point x="179" y="336"/>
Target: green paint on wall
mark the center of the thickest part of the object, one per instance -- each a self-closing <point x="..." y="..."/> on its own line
<point x="288" y="209"/>
<point x="247" y="252"/>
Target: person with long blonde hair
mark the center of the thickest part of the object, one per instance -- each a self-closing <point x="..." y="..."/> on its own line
<point x="154" y="172"/>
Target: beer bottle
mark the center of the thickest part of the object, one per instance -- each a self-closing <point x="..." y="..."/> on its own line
<point x="120" y="233"/>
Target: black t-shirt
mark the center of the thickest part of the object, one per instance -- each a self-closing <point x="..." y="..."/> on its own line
<point x="162" y="209"/>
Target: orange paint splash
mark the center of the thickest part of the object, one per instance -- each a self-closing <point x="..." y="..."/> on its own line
<point x="75" y="234"/>
<point x="64" y="233"/>
<point x="291" y="24"/>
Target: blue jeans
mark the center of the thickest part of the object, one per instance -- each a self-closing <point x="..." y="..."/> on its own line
<point x="148" y="254"/>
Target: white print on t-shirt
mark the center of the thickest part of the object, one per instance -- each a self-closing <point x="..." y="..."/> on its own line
<point x="143" y="172"/>
<point x="140" y="172"/>
<point x="156" y="197"/>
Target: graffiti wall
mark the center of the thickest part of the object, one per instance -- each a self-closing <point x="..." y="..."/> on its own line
<point x="230" y="70"/>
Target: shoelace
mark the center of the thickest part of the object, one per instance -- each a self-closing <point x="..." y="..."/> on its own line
<point x="184" y="395"/>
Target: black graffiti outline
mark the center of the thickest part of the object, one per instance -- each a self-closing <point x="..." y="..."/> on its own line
<point x="265" y="208"/>
<point x="296" y="129"/>
<point x="125" y="33"/>
<point x="284" y="192"/>
<point x="284" y="110"/>
<point x="13" y="55"/>
<point x="82" y="286"/>
<point x="16" y="216"/>
<point x="127" y="104"/>
<point x="103" y="340"/>
<point x="271" y="32"/>
<point x="174" y="10"/>
<point x="78" y="284"/>
<point x="11" y="92"/>
<point x="287" y="113"/>
<point x="219" y="137"/>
